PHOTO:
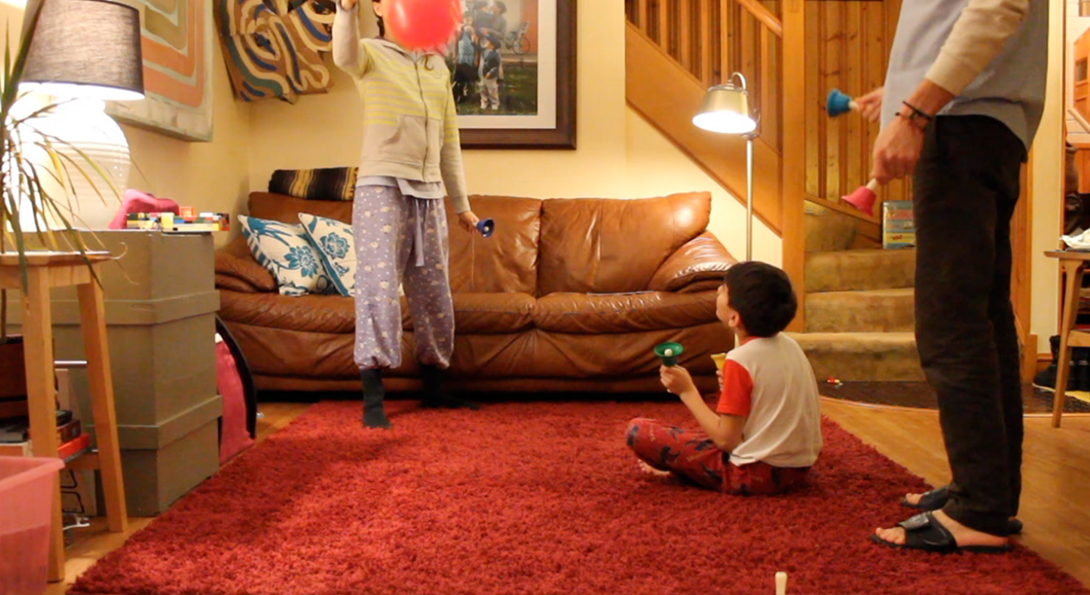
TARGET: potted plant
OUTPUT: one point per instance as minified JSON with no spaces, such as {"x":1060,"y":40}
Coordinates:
{"x":36,"y":173}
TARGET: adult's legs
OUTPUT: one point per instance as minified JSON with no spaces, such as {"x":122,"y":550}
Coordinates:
{"x":966,"y":186}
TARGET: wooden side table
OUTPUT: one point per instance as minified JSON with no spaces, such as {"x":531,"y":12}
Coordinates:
{"x":1073,"y":265}
{"x":46,"y":270}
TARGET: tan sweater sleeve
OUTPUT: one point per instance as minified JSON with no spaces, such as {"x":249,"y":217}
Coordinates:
{"x":977,"y":38}
{"x":348,"y":52}
{"x":450,"y":162}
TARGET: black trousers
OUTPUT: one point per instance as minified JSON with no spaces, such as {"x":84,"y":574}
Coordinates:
{"x":965,"y":188}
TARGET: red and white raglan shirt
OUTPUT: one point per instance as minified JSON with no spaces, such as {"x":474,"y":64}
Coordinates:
{"x":769,"y":381}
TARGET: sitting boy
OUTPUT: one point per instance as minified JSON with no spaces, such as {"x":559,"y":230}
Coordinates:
{"x":765,"y":431}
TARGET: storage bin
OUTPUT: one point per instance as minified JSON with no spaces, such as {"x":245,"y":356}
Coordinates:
{"x":26,"y":510}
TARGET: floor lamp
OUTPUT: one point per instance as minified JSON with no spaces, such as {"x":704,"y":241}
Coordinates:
{"x":726,"y":111}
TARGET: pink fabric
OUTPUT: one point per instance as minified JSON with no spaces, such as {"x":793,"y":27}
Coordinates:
{"x":233,"y":435}
{"x":136,"y":201}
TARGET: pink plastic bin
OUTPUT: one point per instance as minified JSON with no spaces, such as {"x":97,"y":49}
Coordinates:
{"x":26,"y":506}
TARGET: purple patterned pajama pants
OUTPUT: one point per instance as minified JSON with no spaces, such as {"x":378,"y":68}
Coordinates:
{"x":401,"y":240}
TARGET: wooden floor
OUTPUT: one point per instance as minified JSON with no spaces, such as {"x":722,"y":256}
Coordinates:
{"x":1056,"y":473}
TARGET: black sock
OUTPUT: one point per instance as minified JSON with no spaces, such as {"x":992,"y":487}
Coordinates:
{"x":374,"y":394}
{"x":435,"y":393}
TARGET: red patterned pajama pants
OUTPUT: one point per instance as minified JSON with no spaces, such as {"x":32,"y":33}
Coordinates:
{"x":693,"y":456}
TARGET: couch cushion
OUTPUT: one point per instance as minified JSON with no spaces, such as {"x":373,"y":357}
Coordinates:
{"x":314,"y":313}
{"x":285,"y":250}
{"x":493,"y":313}
{"x":504,"y":262}
{"x":589,"y":314}
{"x":613,"y":245}
{"x":336,"y":247}
{"x":474,"y":313}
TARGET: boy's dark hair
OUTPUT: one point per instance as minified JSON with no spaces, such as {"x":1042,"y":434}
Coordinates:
{"x":761,"y":294}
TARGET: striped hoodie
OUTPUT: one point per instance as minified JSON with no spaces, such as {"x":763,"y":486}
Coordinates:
{"x":410,"y":126}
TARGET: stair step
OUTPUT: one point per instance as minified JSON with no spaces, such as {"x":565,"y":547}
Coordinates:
{"x":870,"y":311}
{"x":862,"y":356}
{"x":848,"y":270}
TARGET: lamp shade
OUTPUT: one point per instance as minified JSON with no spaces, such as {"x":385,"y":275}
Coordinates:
{"x":726,"y":110}
{"x":85,"y":48}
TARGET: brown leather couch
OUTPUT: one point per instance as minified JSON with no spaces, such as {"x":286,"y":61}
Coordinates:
{"x":567,"y":295}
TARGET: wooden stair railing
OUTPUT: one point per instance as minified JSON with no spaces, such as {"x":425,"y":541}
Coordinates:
{"x":676,"y":49}
{"x":670,"y":100}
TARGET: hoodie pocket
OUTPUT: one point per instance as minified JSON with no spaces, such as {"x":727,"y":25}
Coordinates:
{"x":407,"y":142}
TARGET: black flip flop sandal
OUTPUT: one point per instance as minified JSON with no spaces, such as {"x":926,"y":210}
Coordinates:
{"x":923,"y":532}
{"x":933,"y":500}
{"x":937,"y":498}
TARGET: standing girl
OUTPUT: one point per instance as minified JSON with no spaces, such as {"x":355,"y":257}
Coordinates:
{"x":411,"y":150}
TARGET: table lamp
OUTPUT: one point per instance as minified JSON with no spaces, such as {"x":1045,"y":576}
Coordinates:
{"x":85,"y":52}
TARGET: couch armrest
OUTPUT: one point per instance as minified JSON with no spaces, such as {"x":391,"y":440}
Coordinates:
{"x":237,"y":269}
{"x":697,"y":265}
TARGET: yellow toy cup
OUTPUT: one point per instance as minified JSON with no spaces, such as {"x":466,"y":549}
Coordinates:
{"x":719,"y":359}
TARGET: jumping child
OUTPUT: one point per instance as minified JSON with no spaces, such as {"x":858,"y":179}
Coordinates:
{"x":411,"y":156}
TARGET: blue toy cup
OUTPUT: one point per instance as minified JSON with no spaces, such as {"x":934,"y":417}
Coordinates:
{"x":837,"y":103}
{"x":486,"y":227}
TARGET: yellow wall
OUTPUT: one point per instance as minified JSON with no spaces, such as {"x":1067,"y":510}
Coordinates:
{"x":618,"y":156}
{"x":212,"y":176}
{"x":1047,"y":178}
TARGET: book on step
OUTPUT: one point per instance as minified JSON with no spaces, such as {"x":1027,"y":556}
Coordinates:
{"x":898,"y":224}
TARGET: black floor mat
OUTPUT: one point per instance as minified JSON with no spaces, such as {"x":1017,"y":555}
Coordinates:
{"x":920,"y":395}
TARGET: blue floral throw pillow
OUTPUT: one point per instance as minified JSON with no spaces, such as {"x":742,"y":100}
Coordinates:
{"x":336,"y":247}
{"x":284,"y":250}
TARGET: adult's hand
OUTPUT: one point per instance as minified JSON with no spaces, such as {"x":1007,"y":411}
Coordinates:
{"x":896,"y":151}
{"x":870,"y":105}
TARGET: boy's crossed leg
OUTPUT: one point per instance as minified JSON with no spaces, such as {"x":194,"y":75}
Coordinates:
{"x":691,"y":455}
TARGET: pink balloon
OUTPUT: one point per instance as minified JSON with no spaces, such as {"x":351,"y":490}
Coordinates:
{"x":422,"y":24}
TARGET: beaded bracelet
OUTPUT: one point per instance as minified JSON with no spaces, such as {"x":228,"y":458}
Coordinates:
{"x":916,"y":113}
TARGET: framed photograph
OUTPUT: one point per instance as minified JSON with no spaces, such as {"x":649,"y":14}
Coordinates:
{"x":176,"y":41}
{"x":512,"y":63}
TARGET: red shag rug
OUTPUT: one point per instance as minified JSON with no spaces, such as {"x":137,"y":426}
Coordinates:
{"x":530,"y":498}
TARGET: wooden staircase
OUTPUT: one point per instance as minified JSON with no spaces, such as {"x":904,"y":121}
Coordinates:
{"x":859,"y":315}
{"x":791,"y":53}
{"x":857,"y":320}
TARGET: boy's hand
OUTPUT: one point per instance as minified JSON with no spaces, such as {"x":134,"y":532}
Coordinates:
{"x":468,"y":221}
{"x":676,"y":379}
{"x":719,"y":379}
{"x":870,"y":105}
{"x":348,"y":4}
